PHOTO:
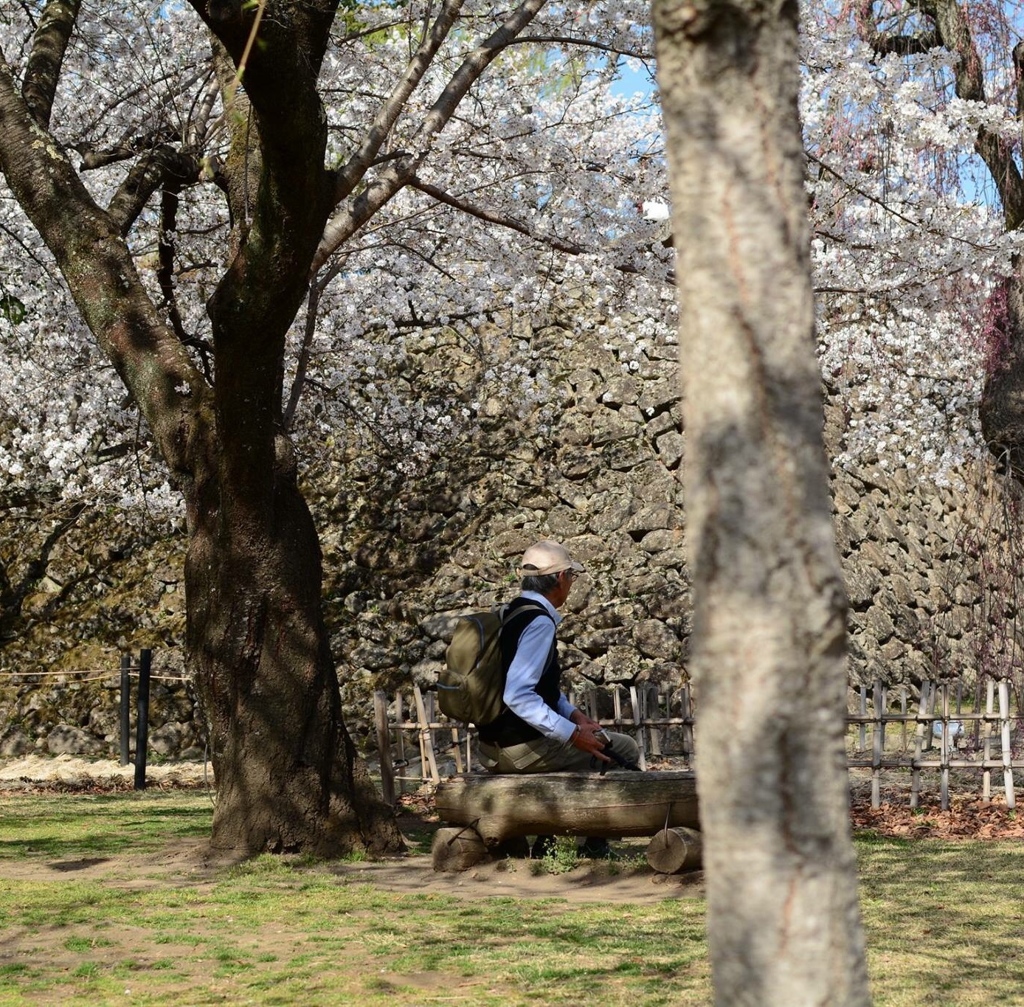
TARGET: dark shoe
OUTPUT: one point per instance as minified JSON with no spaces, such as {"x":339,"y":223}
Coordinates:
{"x":595,"y":849}
{"x":542,"y":845}
{"x":518,"y":848}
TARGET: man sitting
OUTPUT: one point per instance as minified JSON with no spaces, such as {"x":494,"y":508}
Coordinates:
{"x":540,"y":731}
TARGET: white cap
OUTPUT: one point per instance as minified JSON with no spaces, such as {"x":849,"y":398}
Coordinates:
{"x":547,"y":557}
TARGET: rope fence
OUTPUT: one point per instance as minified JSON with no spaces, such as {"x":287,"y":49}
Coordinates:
{"x":939,"y":733}
{"x":141,"y":670}
{"x":61,"y":677}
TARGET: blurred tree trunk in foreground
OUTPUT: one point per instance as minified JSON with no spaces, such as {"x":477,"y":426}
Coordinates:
{"x":769,"y":619}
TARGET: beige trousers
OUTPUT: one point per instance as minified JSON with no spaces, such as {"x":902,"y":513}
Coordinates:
{"x":545,"y":755}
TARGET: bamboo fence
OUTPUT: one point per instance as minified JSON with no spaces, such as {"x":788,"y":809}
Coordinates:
{"x":414,"y":739}
{"x":926,"y":731}
{"x":942,"y":735}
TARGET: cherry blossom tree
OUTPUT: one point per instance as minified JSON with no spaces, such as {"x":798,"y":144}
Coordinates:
{"x":768,"y":642}
{"x":912,"y":134}
{"x":910,"y":125}
{"x":219,"y":187}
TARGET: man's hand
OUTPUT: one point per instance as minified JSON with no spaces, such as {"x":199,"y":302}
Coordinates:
{"x":586,"y":739}
{"x":580,"y":719}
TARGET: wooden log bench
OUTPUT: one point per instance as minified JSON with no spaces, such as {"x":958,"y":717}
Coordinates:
{"x":483,"y":811}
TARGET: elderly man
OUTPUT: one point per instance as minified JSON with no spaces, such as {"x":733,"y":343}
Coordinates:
{"x":540,"y":731}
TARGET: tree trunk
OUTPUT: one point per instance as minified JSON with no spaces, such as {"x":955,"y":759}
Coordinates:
{"x":1002,"y":399}
{"x":568,"y":804}
{"x":288,"y":776}
{"x":287,"y":773}
{"x":768,"y":636}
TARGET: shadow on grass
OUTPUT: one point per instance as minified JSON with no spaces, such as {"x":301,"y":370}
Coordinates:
{"x":944,"y":921}
{"x":74,"y":828}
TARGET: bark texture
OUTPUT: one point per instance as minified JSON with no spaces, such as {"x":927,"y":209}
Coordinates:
{"x":768,"y":643}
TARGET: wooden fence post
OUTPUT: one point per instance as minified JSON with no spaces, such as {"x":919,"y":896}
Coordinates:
{"x":651,"y":695}
{"x":687,"y":726}
{"x":638,"y":719}
{"x":142,"y":722}
{"x":387,"y":771}
{"x":426,"y":740}
{"x":399,"y":719}
{"x":947,"y":743}
{"x":986,"y":751}
{"x":1004,"y":716}
{"x":863,"y":712}
{"x":919,"y":742}
{"x":617,"y":703}
{"x":457,"y":750}
{"x":125,"y":712}
{"x":877,"y":742}
{"x":903,"y":714}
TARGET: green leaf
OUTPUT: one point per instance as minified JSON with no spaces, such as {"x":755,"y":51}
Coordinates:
{"x":12,"y":309}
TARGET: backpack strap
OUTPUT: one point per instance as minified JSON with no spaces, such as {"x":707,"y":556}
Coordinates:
{"x":507,"y":618}
{"x":527,"y":606}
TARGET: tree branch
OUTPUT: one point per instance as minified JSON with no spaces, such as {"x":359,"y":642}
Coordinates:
{"x":169,"y":200}
{"x":101,"y":276}
{"x":583,"y":43}
{"x":162,"y":166}
{"x":316,"y":289}
{"x":291,"y":196}
{"x":241,"y":171}
{"x":887,"y":208}
{"x":383,"y":188}
{"x":49,"y":44}
{"x":389,"y":112}
{"x":12,"y":596}
{"x":886,"y":43}
{"x":492,"y":217}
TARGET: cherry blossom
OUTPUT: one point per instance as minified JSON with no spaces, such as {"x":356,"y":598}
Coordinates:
{"x":550,"y":177}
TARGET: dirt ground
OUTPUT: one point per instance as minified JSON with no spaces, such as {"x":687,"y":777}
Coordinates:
{"x":627,"y":880}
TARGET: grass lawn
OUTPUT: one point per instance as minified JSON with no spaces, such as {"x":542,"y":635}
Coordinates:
{"x":107,"y":900}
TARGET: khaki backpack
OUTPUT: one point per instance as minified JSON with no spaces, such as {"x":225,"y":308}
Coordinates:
{"x":471,"y":685}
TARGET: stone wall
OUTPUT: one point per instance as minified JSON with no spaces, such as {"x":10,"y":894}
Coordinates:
{"x":933,"y":575}
{"x":929,"y":571}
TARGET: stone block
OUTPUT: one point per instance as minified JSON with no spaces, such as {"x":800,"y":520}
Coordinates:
{"x":65,"y":739}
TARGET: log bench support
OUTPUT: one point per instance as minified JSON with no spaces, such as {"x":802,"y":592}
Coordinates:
{"x":490,"y":811}
{"x":673,"y":851}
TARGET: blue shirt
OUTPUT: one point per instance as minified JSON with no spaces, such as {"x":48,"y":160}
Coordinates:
{"x":524,"y":673}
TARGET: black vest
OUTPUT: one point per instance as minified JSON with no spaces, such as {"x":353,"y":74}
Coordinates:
{"x":509,"y":728}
